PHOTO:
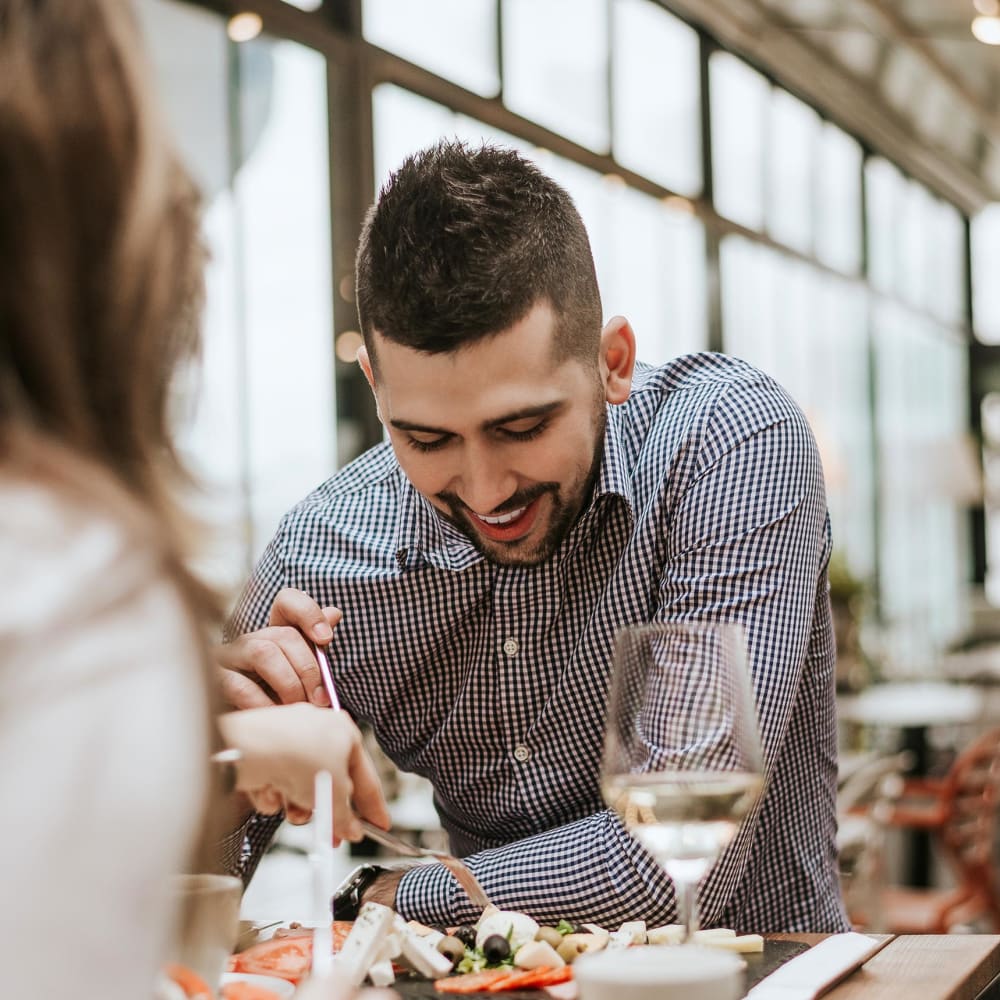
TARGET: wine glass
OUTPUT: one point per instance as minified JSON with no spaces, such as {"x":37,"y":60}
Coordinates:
{"x":682,"y":759}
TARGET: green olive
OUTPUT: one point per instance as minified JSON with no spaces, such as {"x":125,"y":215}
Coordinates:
{"x":451,"y":948}
{"x":550,"y":936}
{"x":568,"y":950}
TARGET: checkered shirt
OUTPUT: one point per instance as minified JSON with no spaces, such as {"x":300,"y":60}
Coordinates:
{"x":492,"y":681}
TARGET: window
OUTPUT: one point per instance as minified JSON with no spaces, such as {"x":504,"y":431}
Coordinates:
{"x":789,"y":156}
{"x":555,"y":66}
{"x":739,"y":115}
{"x":657,"y":119}
{"x":838,"y":200}
{"x":985,"y":268}
{"x":268,"y":353}
{"x":456,"y":39}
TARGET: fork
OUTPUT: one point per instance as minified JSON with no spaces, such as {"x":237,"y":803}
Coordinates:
{"x":458,"y":868}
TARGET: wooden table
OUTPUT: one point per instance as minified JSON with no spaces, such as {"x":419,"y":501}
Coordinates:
{"x":923,"y":967}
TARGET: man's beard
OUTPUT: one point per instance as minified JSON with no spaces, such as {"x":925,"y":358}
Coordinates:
{"x":565,"y":511}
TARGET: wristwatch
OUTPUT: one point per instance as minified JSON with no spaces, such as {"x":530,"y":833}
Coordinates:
{"x":348,"y":898}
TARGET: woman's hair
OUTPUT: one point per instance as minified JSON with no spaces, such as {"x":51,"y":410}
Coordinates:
{"x":100,"y":250}
{"x":100,"y":271}
{"x":100,"y":283}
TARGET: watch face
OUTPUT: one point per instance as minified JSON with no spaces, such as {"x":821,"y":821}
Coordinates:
{"x":347,"y":899}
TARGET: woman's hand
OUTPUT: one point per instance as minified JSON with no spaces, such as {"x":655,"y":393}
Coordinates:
{"x":282,"y":748}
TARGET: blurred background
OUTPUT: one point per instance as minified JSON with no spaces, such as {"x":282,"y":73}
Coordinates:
{"x":811,"y":185}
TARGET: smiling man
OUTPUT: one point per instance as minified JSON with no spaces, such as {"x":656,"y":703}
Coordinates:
{"x":510,"y":452}
{"x":539,"y":490}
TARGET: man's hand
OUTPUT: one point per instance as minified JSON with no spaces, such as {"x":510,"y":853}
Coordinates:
{"x":276,"y":665}
{"x":383,"y":889}
{"x":283,"y":747}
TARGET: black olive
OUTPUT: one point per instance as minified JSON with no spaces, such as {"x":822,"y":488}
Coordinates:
{"x":496,"y":948}
{"x":466,"y":934}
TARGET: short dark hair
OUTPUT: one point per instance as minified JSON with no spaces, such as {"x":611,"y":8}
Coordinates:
{"x":462,"y":243}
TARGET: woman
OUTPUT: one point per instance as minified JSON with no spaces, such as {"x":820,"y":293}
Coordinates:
{"x":106,"y":722}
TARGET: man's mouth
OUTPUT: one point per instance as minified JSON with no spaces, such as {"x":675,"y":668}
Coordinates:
{"x":507,"y":527}
{"x":503,"y":518}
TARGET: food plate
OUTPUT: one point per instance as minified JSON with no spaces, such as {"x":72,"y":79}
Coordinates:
{"x":759,"y":965}
{"x":279,"y":987}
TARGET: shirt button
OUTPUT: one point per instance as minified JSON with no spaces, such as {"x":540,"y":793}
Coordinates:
{"x":511,"y":647}
{"x":522,"y":753}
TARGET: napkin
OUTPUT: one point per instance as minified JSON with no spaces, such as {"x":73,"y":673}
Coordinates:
{"x":812,"y":973}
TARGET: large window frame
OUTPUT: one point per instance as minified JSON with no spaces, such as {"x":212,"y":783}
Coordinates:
{"x":357,"y":67}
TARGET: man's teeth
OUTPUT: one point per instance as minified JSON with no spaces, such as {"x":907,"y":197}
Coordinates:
{"x":503,"y":518}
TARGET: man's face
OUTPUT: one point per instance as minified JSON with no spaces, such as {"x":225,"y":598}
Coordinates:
{"x":504,"y":440}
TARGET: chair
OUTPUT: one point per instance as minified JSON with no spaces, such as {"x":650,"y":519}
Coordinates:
{"x":960,"y":812}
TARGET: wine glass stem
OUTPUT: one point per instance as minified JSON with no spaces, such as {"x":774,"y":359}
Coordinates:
{"x":687,"y":898}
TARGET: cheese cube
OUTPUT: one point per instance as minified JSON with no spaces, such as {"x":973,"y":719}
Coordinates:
{"x":361,"y":946}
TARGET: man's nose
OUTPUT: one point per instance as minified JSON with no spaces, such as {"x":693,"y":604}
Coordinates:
{"x":485,"y":482}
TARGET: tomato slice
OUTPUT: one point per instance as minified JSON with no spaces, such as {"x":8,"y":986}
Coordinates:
{"x":472,"y":982}
{"x":247,"y":991}
{"x":194,"y":987}
{"x":288,"y":956}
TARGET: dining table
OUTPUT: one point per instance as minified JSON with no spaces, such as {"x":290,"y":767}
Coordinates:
{"x":921,"y":967}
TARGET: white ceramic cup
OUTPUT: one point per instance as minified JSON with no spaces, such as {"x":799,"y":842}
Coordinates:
{"x":207,"y":919}
{"x":685,"y":972}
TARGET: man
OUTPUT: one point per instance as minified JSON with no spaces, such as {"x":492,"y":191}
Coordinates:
{"x":538,"y":492}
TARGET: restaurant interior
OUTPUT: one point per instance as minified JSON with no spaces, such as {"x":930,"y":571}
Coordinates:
{"x":810,"y":185}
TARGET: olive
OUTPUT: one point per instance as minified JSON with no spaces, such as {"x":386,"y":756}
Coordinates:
{"x":550,"y":936}
{"x":466,"y":934}
{"x":496,"y":948}
{"x":451,"y":948}
{"x":570,"y":949}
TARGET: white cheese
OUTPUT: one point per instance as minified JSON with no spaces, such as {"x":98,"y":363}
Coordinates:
{"x":390,"y":948}
{"x":535,"y":954}
{"x":709,"y":934}
{"x":381,"y":974}
{"x":420,"y":953}
{"x":361,"y":946}
{"x":631,"y":932}
{"x":667,"y":934}
{"x":518,"y":928}
{"x":744,"y":944}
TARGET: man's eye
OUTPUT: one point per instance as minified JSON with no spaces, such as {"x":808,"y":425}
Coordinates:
{"x":524,"y":435}
{"x":432,"y":445}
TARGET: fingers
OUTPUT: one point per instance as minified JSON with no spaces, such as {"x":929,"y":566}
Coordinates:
{"x":297,"y":815}
{"x":267,"y":800}
{"x":369,"y":802}
{"x":297,"y":608}
{"x":240,"y":691}
{"x":278,"y":657}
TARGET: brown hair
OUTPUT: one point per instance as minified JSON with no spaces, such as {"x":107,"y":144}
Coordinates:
{"x":100,"y":272}
{"x":463,"y":242}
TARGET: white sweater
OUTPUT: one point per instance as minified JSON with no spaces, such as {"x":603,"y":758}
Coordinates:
{"x":102,"y":752}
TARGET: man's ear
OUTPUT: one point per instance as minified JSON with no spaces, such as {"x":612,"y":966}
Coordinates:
{"x":617,"y":359}
{"x":366,"y":367}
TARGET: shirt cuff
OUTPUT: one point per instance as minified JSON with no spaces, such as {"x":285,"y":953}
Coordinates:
{"x":430,"y":894}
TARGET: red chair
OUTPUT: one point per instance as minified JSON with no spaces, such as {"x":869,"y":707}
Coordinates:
{"x":960,"y":812}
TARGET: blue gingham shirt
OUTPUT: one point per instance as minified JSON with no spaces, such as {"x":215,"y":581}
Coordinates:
{"x":492,"y":681}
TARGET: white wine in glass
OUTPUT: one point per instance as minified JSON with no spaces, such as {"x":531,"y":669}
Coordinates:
{"x":682,"y":757}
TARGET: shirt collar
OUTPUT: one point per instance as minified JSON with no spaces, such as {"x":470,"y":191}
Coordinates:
{"x":423,"y":534}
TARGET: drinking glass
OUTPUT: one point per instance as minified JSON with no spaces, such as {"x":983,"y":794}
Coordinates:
{"x":682,"y":758}
{"x":207,"y":908}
